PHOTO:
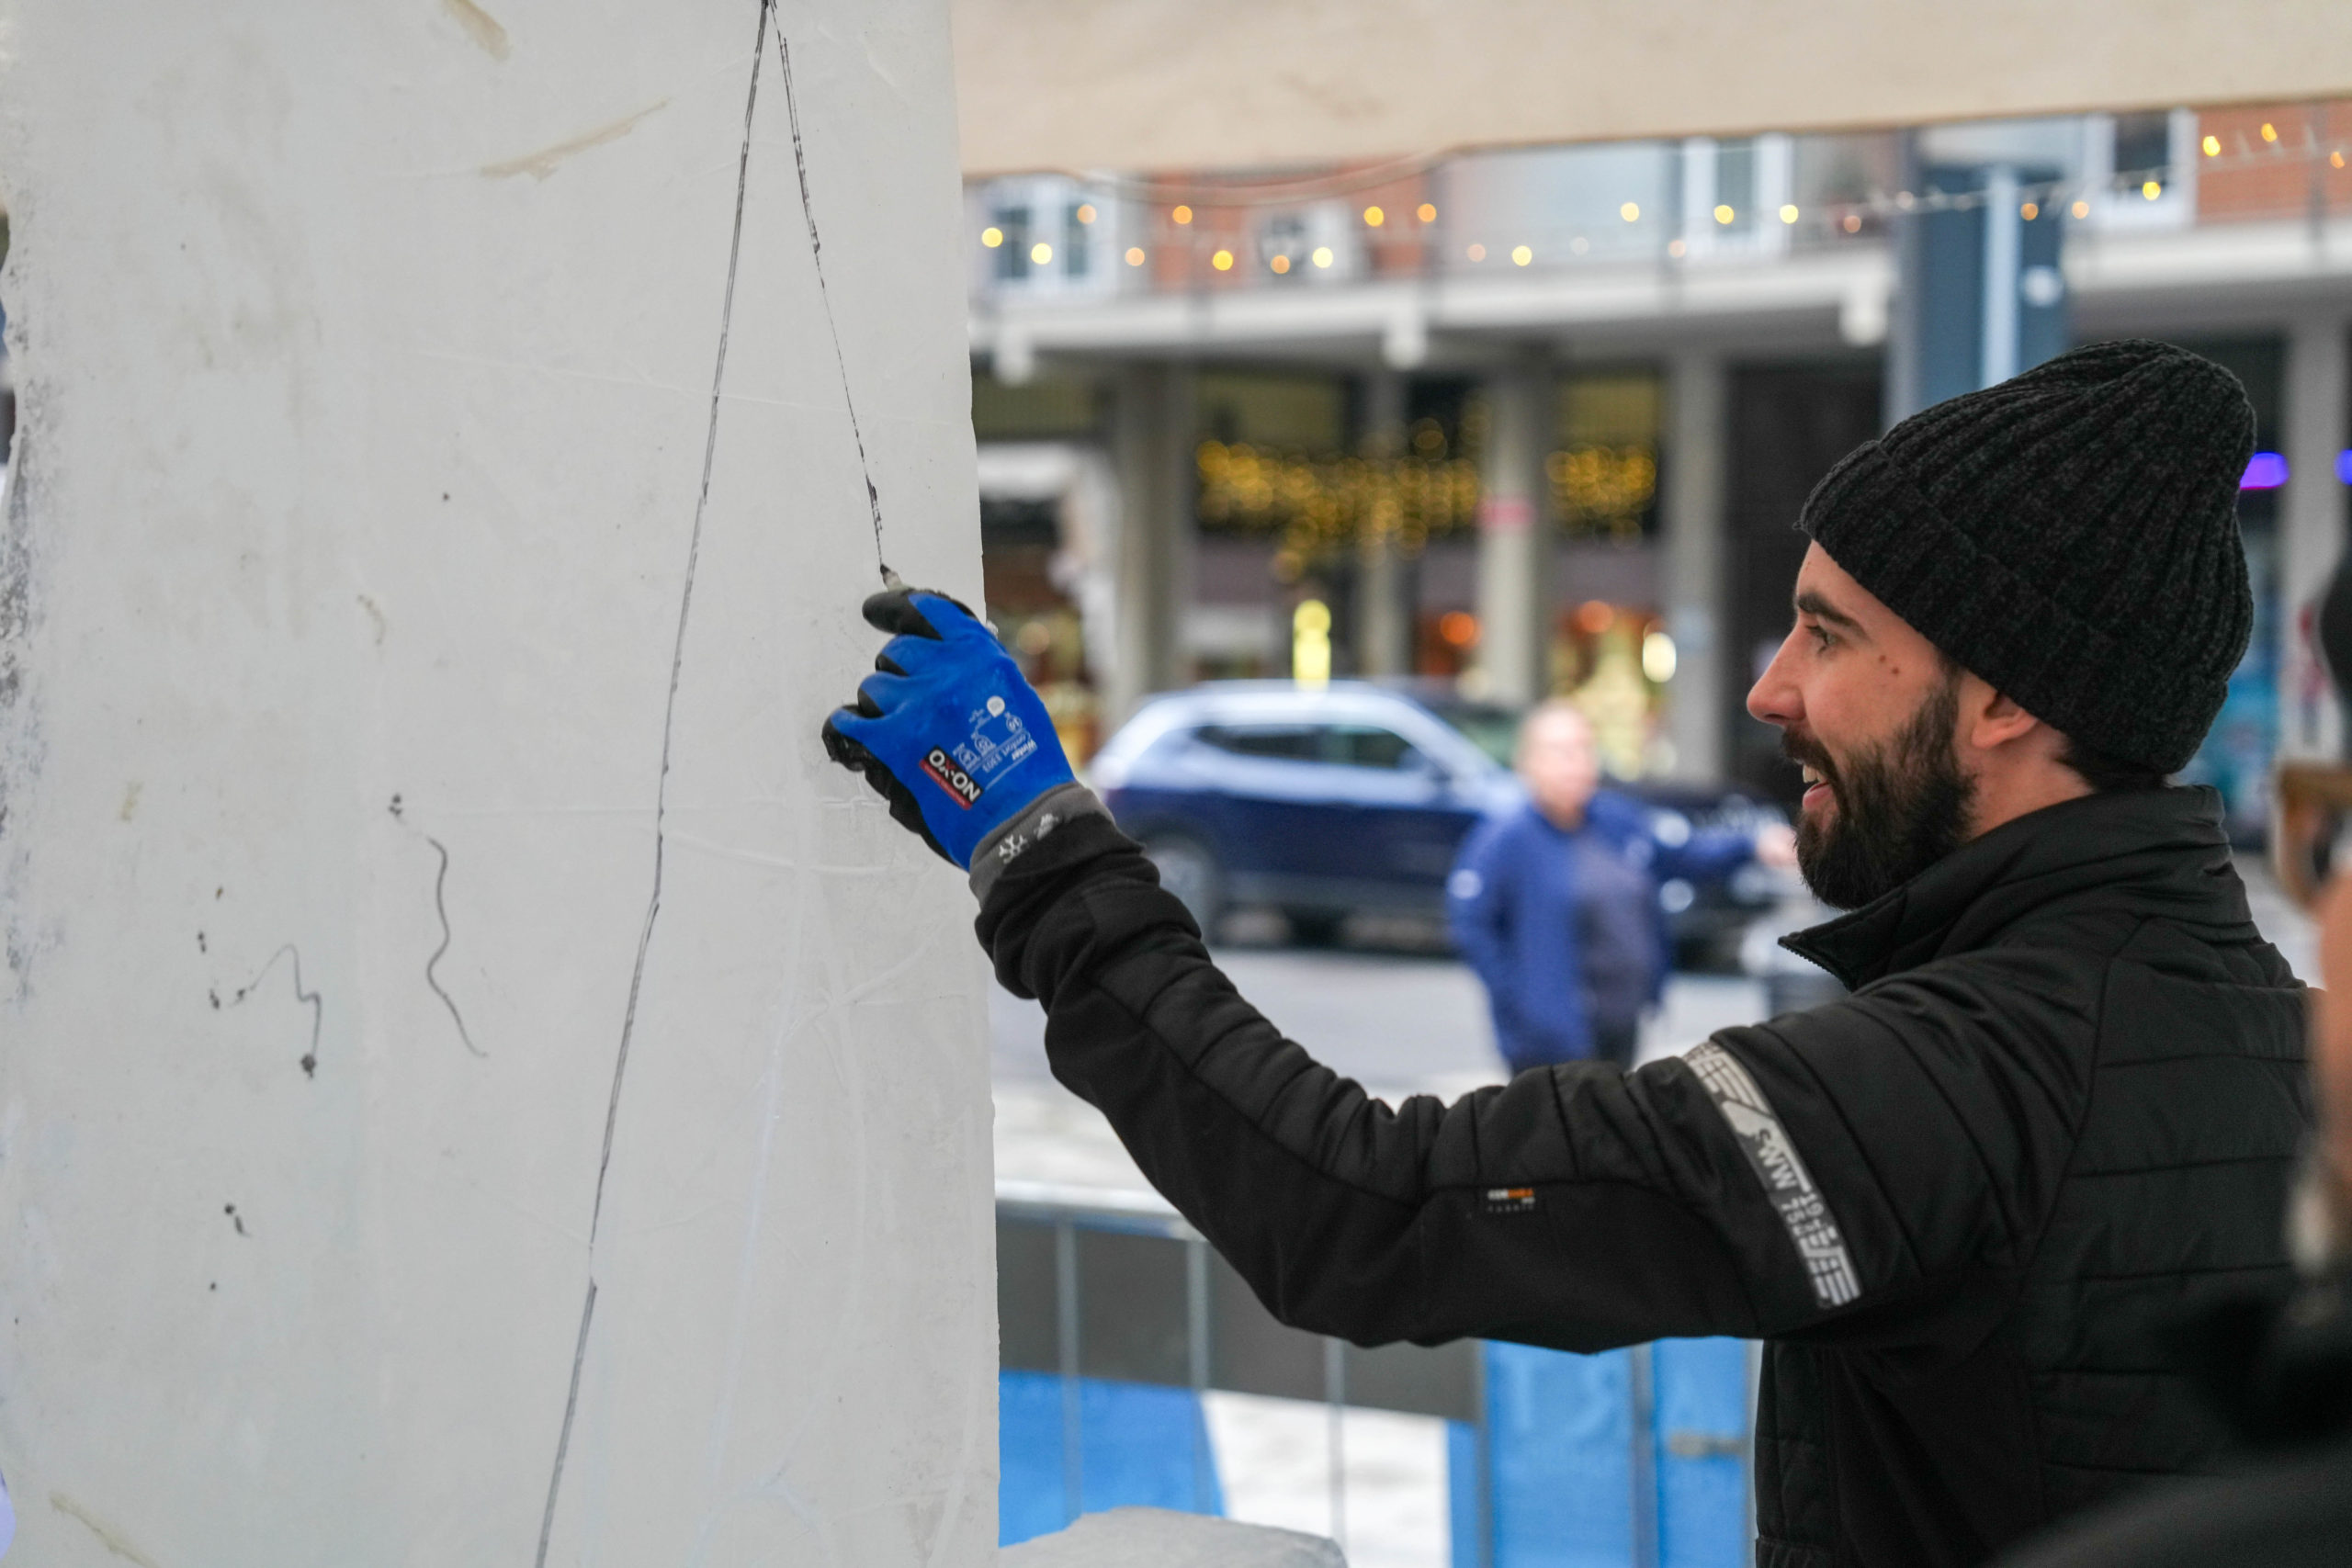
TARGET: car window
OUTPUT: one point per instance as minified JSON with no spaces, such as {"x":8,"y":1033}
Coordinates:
{"x":1287,"y":742}
{"x":1493,"y":731}
{"x":1368,"y":746}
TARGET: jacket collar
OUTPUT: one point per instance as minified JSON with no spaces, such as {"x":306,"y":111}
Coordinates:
{"x":2160,"y":852}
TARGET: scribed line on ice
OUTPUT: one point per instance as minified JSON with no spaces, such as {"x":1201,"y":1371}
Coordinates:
{"x":571,"y":1403}
{"x":817,"y":256}
{"x":662,"y":782}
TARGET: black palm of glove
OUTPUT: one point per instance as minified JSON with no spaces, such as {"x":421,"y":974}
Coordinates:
{"x":947,"y":729}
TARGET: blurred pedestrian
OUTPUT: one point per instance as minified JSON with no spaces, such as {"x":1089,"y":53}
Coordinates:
{"x":1555,"y":904}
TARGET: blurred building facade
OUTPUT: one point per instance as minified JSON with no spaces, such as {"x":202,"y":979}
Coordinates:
{"x":1540,"y":421}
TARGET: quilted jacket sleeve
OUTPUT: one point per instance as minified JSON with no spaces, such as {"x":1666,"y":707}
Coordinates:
{"x":1576,"y":1207}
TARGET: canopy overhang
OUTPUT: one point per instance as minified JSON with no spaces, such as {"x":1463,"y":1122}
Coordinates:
{"x":1174,"y":85}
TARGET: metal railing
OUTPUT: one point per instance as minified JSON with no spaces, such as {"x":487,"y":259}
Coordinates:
{"x":1116,"y":1287}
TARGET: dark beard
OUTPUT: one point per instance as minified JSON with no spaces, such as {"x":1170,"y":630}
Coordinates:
{"x":1901,"y":806}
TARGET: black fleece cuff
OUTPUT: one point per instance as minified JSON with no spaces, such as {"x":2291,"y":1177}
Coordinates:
{"x":1053,"y":810}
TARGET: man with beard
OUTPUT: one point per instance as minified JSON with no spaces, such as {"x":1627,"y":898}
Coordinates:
{"x":1963,"y":1205}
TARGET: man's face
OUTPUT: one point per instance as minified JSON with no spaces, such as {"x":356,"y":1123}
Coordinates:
{"x":1555,"y":758}
{"x":1869,"y":708}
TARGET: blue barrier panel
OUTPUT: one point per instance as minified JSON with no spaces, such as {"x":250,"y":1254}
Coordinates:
{"x":1560,"y":1451}
{"x":1140,"y":1444}
{"x":1029,"y":1493}
{"x":1702,"y":1402}
{"x":1462,"y":1500}
{"x":1560,"y":1448}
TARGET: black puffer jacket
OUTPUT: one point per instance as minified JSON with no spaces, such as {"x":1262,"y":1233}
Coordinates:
{"x":2280,"y":1371}
{"x":1963,"y":1204}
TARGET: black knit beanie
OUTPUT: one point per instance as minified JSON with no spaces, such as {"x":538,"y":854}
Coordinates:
{"x":2070,"y":536}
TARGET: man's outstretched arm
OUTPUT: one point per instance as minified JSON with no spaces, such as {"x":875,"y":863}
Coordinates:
{"x":1574,"y":1207}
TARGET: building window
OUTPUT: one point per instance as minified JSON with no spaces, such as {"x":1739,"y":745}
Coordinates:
{"x":1012,"y":256}
{"x":2143,"y":150}
{"x":1734,"y":186}
{"x":1282,"y":247}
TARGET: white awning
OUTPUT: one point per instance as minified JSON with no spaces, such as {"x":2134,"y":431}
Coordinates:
{"x":1194,"y":85}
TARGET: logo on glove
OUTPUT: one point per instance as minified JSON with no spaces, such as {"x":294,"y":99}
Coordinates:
{"x":950,"y":778}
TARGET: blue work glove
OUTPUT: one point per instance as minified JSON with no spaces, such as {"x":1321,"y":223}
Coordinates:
{"x":947,"y":729}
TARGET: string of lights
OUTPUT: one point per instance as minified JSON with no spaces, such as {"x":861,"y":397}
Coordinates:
{"x":1240,"y":192}
{"x":1184,"y":206}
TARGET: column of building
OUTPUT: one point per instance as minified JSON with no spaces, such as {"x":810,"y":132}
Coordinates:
{"x":1691,"y":510}
{"x":1151,"y":443}
{"x":2311,"y":526}
{"x":1515,"y":537}
{"x":1383,"y":629}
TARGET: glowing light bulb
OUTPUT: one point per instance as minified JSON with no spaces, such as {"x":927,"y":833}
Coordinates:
{"x":1085,"y":213}
{"x":2270,"y":131}
{"x":1322,"y":256}
{"x":1310,"y":643}
{"x":1279,"y":264}
{"x":991,"y":237}
{"x":1426,"y":212}
{"x":1476,"y":253}
{"x":1725,"y":214}
{"x":2151,"y":189}
{"x":1630,"y":212}
{"x":1182,"y":214}
{"x":1657,"y":657}
{"x":1788,"y":213}
{"x":1374,"y":218}
{"x":2081,"y":210}
{"x":1135,"y":255}
{"x":1222,"y":261}
{"x":1852,"y":222}
{"x":2030,"y":211}
{"x":2213,"y":146}
{"x":1520,"y":255}
{"x":1041,"y":252}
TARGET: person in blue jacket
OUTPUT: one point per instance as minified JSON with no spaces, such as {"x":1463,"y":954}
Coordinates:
{"x":1555,"y":904}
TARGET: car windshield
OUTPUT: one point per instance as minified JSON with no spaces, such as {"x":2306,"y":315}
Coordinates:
{"x":1350,"y":745}
{"x":1493,"y":730}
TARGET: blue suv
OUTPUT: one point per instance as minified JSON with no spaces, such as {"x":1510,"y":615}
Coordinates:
{"x":1351,"y":797}
{"x":1321,"y":802}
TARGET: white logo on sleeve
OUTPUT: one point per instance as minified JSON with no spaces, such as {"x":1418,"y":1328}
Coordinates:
{"x":1757,"y":1128}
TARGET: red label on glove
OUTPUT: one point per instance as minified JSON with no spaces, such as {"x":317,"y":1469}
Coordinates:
{"x":950,"y":778}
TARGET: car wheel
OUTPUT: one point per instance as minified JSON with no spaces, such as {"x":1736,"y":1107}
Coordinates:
{"x":1188,"y":868}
